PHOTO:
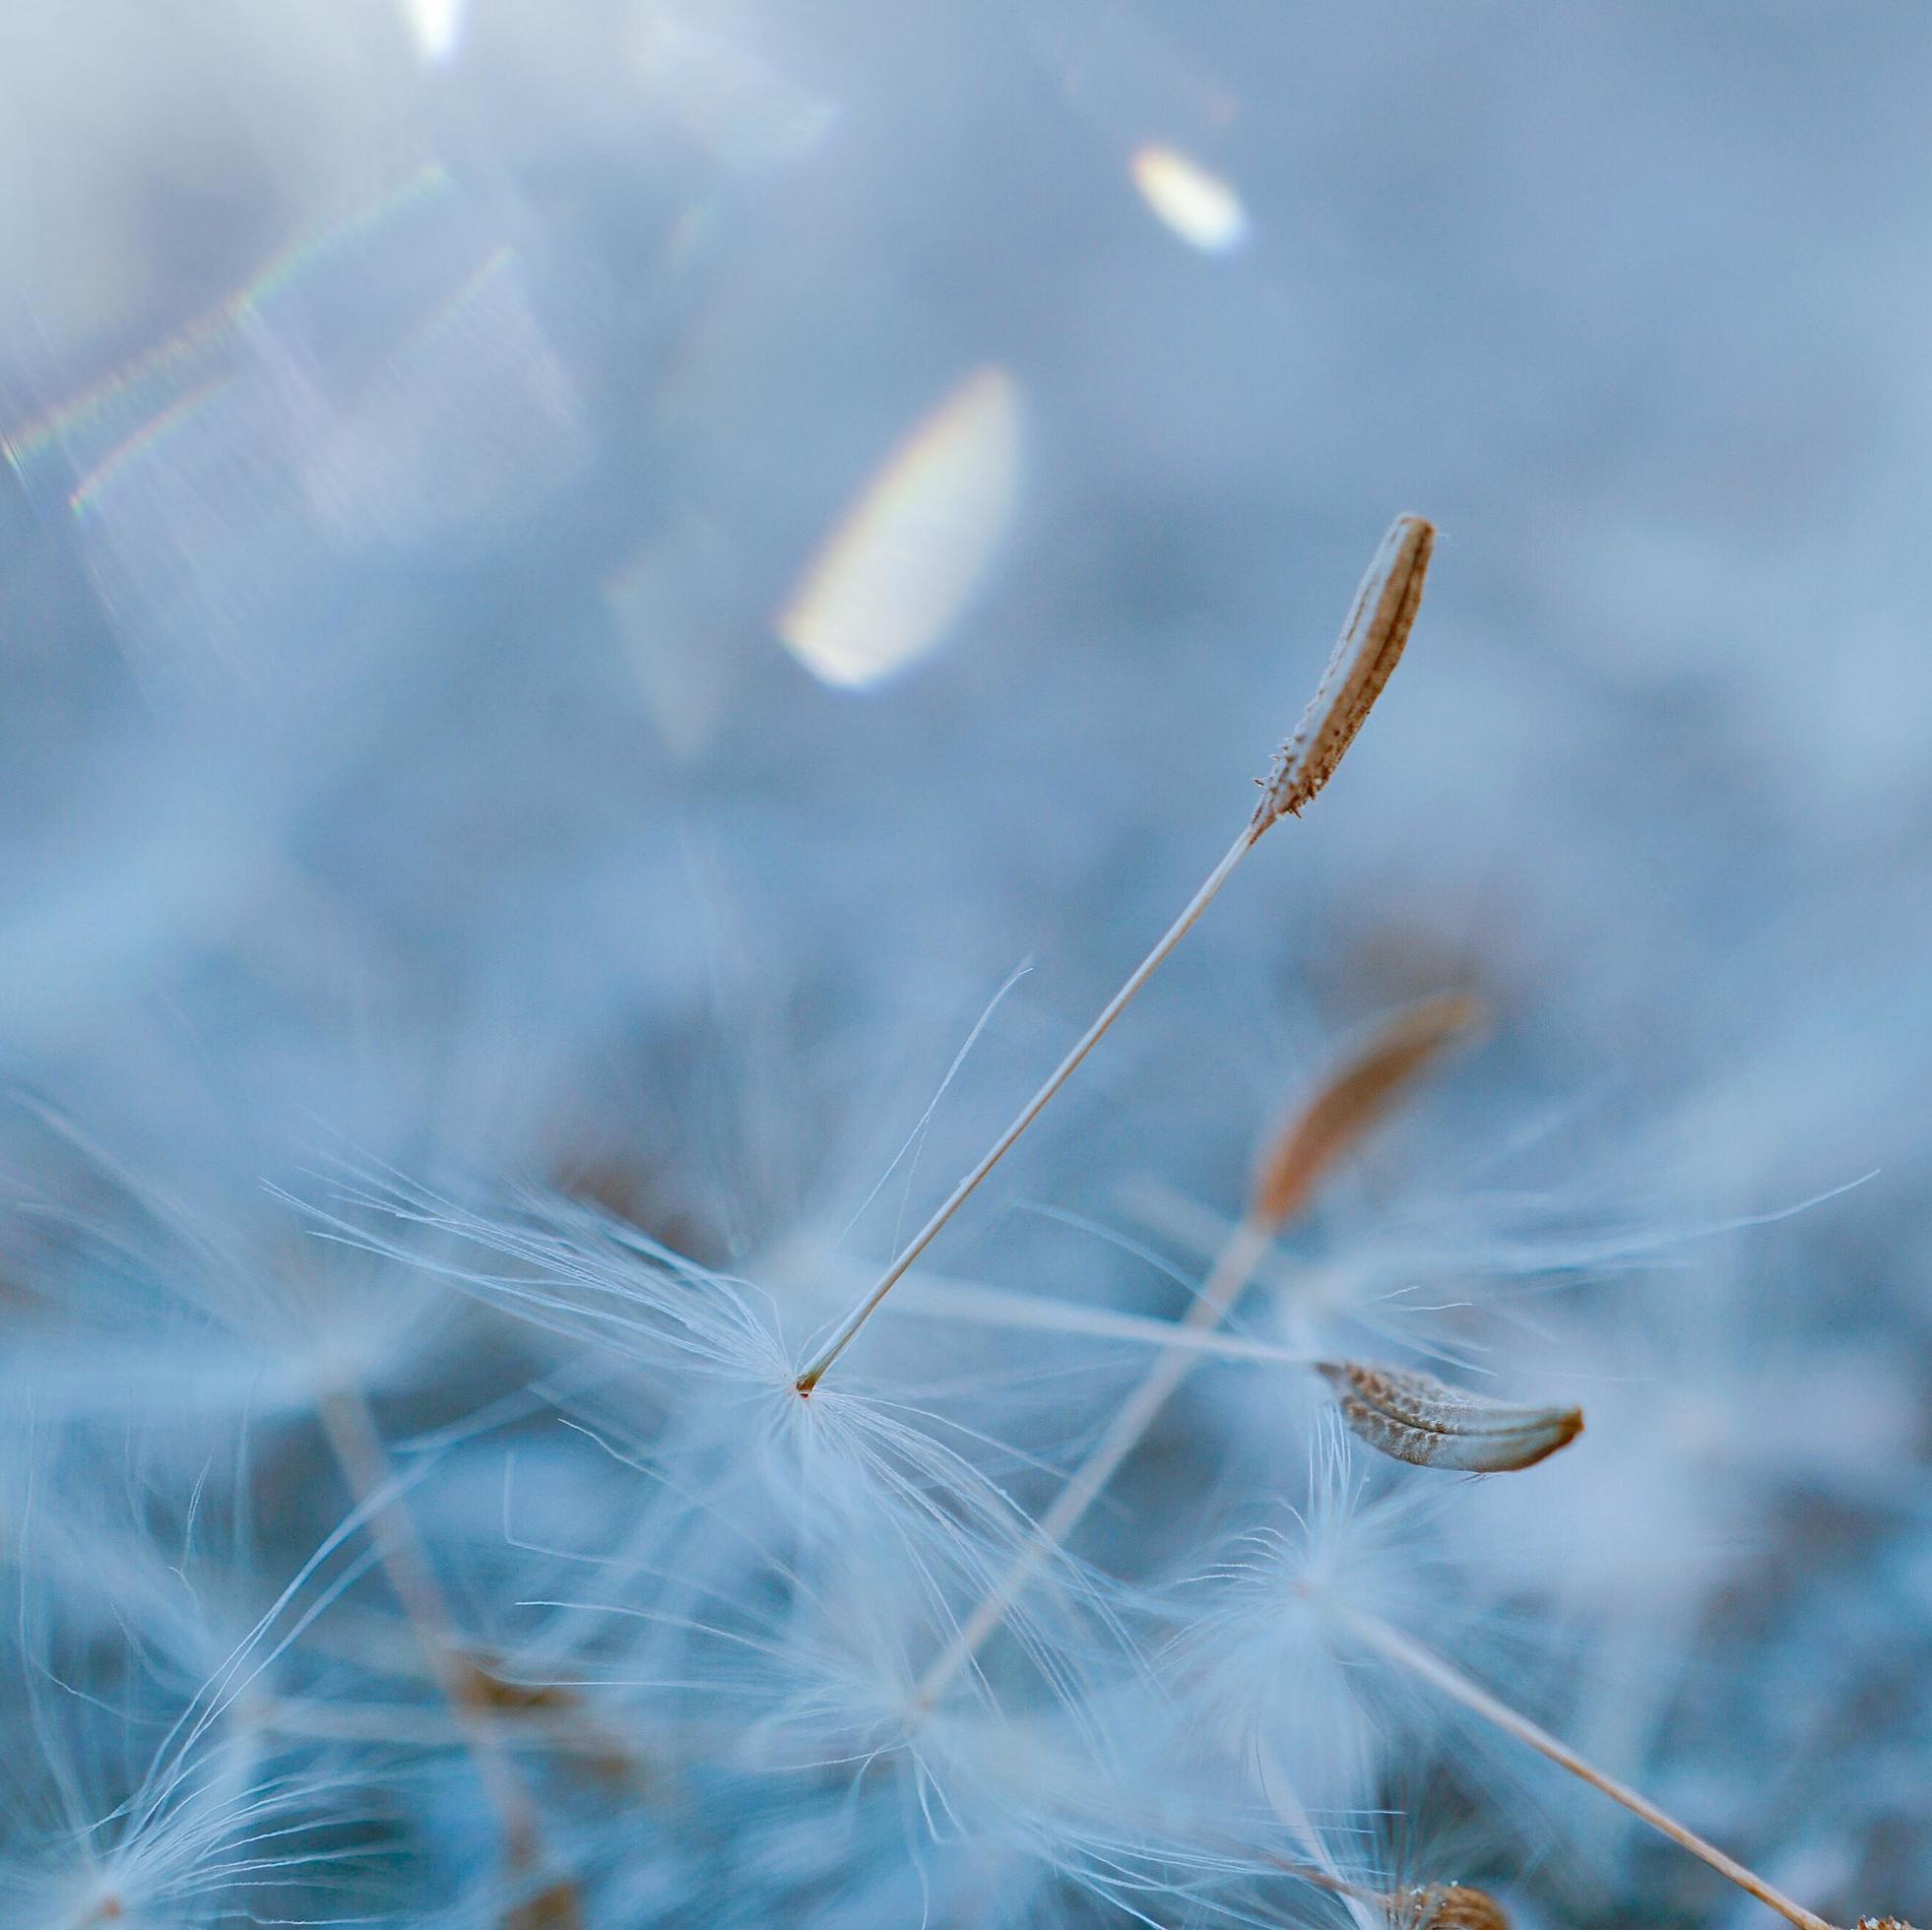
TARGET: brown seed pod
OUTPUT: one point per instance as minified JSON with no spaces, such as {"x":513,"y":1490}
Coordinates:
{"x":554,"y":1907}
{"x":1446,"y":1906}
{"x":1415,"y":1418}
{"x":1354,"y":1097}
{"x":579,"y":1735}
{"x":1365,"y":657}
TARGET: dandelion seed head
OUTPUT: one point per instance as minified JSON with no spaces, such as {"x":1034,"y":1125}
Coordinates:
{"x":1266,"y":1647}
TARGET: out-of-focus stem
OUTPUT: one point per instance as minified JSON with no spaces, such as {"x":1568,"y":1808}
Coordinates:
{"x":356,"y":1442}
{"x":1231,"y":1272}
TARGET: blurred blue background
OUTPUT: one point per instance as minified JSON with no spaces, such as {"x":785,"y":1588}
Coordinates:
{"x":579,"y":582}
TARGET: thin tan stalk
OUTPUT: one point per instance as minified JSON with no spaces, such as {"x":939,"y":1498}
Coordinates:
{"x":1428,"y":1666}
{"x":810,"y":1376}
{"x":1371,"y":644}
{"x":356,"y":1444}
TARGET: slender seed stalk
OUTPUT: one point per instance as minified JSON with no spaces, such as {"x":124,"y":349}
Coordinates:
{"x":356,"y":1444}
{"x":810,"y":1376}
{"x":1370,"y":646}
{"x":1429,"y":1667}
{"x":996,"y":1307}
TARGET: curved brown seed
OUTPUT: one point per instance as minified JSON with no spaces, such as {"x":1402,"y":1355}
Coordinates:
{"x":1416,"y":1418}
{"x":1353,"y":1098}
{"x":1364,"y":655}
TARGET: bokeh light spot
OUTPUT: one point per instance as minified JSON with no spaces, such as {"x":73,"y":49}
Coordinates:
{"x":916,"y":542}
{"x":1199,"y":207}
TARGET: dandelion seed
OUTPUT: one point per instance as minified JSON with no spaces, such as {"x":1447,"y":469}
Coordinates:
{"x":1385,"y":605}
{"x":1416,"y":1418}
{"x":151,"y":1795}
{"x":841,"y":1471}
{"x":1265,"y":1671}
{"x":324,"y":1336}
{"x":1294,"y":1623}
{"x":1342,"y":1110}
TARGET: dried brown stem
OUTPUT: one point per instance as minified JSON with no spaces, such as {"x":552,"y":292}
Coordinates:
{"x":356,"y":1442}
{"x":1429,"y":1667}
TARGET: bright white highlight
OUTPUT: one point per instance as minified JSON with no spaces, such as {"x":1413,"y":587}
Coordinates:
{"x":910,"y":551}
{"x":1199,"y":207}
{"x":436,"y":27}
